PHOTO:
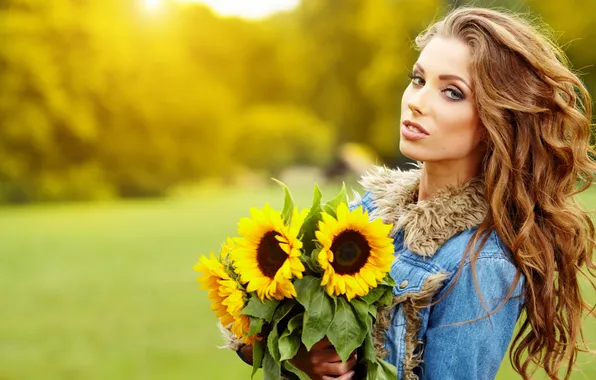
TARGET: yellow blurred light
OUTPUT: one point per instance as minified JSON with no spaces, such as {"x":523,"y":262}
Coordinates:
{"x":251,"y":9}
{"x":153,"y":5}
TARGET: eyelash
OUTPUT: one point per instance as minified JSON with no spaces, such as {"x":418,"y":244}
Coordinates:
{"x":459,"y":95}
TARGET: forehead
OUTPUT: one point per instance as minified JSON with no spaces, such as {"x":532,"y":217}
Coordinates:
{"x":447,"y":56}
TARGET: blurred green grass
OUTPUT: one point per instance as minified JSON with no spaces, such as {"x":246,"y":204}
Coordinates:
{"x":107,"y":291}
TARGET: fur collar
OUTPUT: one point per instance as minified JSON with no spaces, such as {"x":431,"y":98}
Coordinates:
{"x":429,"y":223}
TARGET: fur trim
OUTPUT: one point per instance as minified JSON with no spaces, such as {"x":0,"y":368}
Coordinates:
{"x":412,"y":303}
{"x":426,"y":224}
{"x":231,"y":340}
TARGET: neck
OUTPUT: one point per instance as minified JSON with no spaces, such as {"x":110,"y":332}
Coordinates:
{"x":437,"y":176}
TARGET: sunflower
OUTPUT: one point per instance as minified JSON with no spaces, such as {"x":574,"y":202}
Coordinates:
{"x":267,"y":256}
{"x":225,"y":293}
{"x":355,"y":253}
{"x":241,"y":328}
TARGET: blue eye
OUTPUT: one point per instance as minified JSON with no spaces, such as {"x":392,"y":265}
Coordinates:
{"x":416,"y":79}
{"x":454,"y":94}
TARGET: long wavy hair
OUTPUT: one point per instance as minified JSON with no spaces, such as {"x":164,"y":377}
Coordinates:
{"x":536,"y":114}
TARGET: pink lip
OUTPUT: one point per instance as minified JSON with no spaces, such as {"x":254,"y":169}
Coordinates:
{"x":411,"y":135}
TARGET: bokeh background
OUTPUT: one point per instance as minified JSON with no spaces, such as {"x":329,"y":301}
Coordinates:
{"x":135,"y":133}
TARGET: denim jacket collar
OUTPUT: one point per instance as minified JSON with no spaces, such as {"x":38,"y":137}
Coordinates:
{"x":429,"y":223}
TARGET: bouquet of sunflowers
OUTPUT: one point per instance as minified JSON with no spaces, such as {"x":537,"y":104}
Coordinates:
{"x":293,"y":278}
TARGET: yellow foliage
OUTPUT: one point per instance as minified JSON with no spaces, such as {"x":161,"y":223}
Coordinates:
{"x":146,"y":100}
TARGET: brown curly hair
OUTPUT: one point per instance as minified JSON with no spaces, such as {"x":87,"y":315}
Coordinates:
{"x":536,"y":113}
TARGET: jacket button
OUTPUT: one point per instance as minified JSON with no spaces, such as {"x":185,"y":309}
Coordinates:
{"x":403,"y":284}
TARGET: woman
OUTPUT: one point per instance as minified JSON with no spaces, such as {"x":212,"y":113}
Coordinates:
{"x":487,"y":229}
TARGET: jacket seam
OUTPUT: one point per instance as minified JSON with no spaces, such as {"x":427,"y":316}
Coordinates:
{"x":467,"y":263}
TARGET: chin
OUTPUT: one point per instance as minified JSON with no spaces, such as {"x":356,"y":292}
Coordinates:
{"x":412,"y":152}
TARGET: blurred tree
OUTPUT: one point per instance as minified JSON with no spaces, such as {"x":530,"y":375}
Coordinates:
{"x":272,"y":137}
{"x":167,"y":121}
{"x":48,"y":128}
{"x":100,"y":101}
{"x":573,"y":24}
{"x":334,"y":54}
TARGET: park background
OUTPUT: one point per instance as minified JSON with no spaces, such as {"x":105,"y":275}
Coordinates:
{"x":135,"y":133}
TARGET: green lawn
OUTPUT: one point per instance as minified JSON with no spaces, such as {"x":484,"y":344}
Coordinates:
{"x":106,"y":291}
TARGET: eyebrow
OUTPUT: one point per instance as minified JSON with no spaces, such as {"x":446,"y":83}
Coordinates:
{"x":445,"y":76}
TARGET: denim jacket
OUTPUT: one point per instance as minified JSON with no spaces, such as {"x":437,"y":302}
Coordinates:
{"x":452,"y":338}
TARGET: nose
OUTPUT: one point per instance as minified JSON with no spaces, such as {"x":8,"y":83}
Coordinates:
{"x":417,"y":102}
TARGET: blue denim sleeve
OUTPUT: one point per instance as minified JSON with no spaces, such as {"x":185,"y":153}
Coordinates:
{"x":365,"y":201}
{"x":458,"y":346}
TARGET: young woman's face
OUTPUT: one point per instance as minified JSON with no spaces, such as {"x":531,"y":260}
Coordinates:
{"x":439,"y":118}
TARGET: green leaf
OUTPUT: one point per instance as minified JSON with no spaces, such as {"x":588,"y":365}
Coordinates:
{"x":288,"y":209}
{"x":316,"y":200}
{"x":306,"y":287}
{"x":372,"y":369}
{"x":386,"y":371}
{"x":331,"y":206}
{"x":273,"y":337}
{"x":271,"y":368}
{"x":294,"y":324}
{"x":256,"y":325}
{"x":283,"y":310}
{"x":273,"y":343}
{"x":388,"y":281}
{"x":373,"y":295}
{"x":387,"y":298}
{"x":364,"y":318}
{"x":257,"y":357}
{"x":256,"y":308}
{"x":370,"y":354}
{"x":311,"y":264}
{"x":314,"y":262}
{"x":289,"y":345}
{"x":291,"y":368}
{"x":372,"y":310}
{"x":319,"y":309}
{"x":309,"y":226}
{"x":289,"y":341}
{"x":345,"y":332}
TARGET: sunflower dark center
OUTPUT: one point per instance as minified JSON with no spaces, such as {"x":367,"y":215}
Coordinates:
{"x":351,"y":251}
{"x":270,"y":256}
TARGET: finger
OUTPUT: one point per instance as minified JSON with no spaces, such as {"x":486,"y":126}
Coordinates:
{"x":328,"y":356}
{"x":331,"y":356}
{"x":351,"y":362}
{"x":336,"y":358}
{"x":346,"y":376}
{"x":337,"y":368}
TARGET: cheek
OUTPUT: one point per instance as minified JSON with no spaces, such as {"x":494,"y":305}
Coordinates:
{"x":462,"y":127}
